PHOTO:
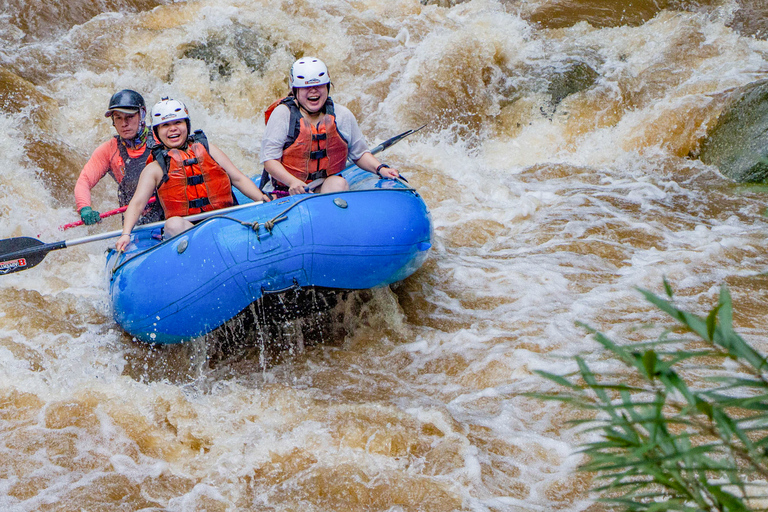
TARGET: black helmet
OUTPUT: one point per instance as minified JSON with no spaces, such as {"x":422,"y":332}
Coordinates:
{"x":127,"y":101}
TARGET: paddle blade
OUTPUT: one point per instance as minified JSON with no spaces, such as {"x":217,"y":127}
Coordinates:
{"x":10,"y":263}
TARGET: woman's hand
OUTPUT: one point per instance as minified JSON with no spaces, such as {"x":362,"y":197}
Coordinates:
{"x":297,"y":187}
{"x":122,"y":242}
{"x":388,"y":172}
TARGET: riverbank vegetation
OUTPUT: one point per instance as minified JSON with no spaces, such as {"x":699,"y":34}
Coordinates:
{"x":684,"y":424}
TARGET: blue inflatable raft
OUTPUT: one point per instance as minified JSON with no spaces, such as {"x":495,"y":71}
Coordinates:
{"x":172,"y":291}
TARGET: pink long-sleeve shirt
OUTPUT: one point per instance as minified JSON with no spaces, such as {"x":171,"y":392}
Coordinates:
{"x":104,"y":159}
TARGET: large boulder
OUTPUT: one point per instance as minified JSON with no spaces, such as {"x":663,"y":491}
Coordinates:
{"x":751,"y":19}
{"x":738,"y":143}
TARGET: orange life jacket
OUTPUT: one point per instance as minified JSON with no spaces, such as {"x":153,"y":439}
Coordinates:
{"x":311,"y":152}
{"x":127,"y":176}
{"x":193,"y":181}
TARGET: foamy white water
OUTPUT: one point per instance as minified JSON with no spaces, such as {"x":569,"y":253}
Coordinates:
{"x":549,"y":208}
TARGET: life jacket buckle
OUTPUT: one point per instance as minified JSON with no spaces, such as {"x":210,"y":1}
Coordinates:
{"x":318,"y":155}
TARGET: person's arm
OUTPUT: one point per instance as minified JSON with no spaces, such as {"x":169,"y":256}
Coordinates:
{"x":281,"y":174}
{"x":370,"y":163}
{"x":238,"y":179}
{"x":272,"y":143}
{"x":95,"y":169}
{"x":148,"y":182}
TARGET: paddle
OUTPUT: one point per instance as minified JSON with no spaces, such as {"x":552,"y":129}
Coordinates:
{"x":378,"y":149}
{"x":394,"y":140}
{"x":22,"y":253}
{"x":102,"y":215}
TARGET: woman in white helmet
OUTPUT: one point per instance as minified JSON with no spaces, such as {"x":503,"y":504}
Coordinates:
{"x":189,"y":174}
{"x":309,"y":138}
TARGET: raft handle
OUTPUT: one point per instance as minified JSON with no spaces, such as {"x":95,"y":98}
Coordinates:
{"x":294,"y":286}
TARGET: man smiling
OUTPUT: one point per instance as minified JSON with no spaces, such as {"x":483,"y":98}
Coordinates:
{"x":123,"y":157}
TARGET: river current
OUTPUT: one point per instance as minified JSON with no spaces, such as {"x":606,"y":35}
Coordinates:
{"x":552,"y":200}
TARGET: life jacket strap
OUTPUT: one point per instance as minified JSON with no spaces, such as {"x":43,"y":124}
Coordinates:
{"x":195,"y":180}
{"x":323,"y":173}
{"x":199,"y":203}
{"x":189,"y":162}
{"x":317,"y":155}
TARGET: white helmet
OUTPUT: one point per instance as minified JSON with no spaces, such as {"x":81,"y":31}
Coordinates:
{"x":308,"y":72}
{"x":167,"y":110}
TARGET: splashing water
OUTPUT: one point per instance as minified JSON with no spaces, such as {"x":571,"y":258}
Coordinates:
{"x":555,"y":163}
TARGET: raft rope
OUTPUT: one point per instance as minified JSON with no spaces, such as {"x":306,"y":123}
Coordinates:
{"x":255,"y":226}
{"x":270,"y":224}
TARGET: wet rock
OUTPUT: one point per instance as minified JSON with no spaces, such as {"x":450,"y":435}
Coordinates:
{"x":738,"y":143}
{"x":569,"y":78}
{"x":751,"y":19}
{"x":555,"y":80}
{"x":222,"y":53}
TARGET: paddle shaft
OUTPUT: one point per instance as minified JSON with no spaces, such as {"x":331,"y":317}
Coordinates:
{"x":394,"y":140}
{"x":102,"y":215}
{"x":46,"y":248}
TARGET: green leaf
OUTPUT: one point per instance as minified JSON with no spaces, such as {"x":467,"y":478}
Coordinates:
{"x":686,"y":435}
{"x":667,"y":288}
{"x":712,"y":323}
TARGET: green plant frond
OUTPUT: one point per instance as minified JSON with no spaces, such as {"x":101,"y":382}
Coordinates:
{"x":695,"y":463}
{"x":570,"y":399}
{"x":745,"y":405}
{"x":558,"y":379}
{"x":728,"y":429}
{"x":678,"y":439}
{"x":738,"y":349}
{"x":621,"y":387}
{"x":725,"y":309}
{"x":648,"y":363}
{"x":658,"y":468}
{"x":738,"y":382}
{"x":674,"y":504}
{"x":693,"y":322}
{"x":683,"y":355}
{"x":667,"y":288}
{"x":673,"y":380}
{"x":762,"y":442}
{"x":712,"y":322}
{"x":623,"y":354}
{"x":704,"y":407}
{"x":731,"y":502}
{"x":591,"y":381}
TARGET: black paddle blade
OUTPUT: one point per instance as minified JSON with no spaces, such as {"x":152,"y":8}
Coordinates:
{"x":16,"y":254}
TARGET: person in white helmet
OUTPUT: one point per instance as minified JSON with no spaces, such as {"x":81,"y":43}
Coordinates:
{"x":308,"y":137}
{"x":189,"y":174}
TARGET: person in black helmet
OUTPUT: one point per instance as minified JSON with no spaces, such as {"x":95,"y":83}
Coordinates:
{"x":123,"y":157}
